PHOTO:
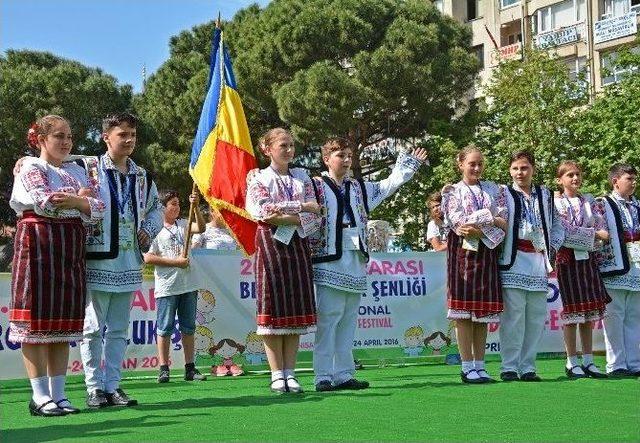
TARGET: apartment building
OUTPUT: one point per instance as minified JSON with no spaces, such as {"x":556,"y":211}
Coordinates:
{"x":585,"y":34}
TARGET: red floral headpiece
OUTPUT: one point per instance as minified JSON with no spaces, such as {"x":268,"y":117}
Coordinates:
{"x":32,"y":136}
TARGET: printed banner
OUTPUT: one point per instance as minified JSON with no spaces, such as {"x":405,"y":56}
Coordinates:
{"x":402,"y":315}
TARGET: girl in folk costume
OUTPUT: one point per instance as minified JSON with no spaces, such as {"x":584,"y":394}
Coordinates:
{"x":52,"y":200}
{"x":620,"y":269}
{"x":534,"y":234}
{"x":581,"y":288}
{"x":476,"y":212}
{"x":282,"y":200}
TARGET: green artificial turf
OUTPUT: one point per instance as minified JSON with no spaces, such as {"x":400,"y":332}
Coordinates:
{"x":410,"y":403}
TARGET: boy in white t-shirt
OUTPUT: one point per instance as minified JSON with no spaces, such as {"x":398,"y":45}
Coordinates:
{"x":175,"y":289}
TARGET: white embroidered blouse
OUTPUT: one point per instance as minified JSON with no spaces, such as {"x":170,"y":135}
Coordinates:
{"x":477,"y":204}
{"x":38,"y":180}
{"x":270,"y":193}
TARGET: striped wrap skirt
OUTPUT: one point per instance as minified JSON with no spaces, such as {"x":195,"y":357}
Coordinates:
{"x":584,"y":296}
{"x":474,"y":290}
{"x":284,"y":285}
{"x":48,"y":289}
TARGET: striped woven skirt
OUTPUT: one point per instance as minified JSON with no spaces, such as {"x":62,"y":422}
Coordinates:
{"x":474,"y":289}
{"x":48,"y":280}
{"x":584,"y":296}
{"x":284,"y":285}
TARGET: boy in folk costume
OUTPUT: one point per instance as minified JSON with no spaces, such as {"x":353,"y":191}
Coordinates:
{"x":534,"y":235}
{"x":114,"y":258}
{"x":620,"y":269}
{"x":339,"y":255}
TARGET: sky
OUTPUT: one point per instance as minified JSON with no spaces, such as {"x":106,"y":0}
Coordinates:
{"x":118,"y":36}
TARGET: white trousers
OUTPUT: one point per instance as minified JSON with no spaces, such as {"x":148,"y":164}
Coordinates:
{"x":521,"y":328}
{"x":110,"y":309}
{"x":622,"y":330}
{"x":337,"y":313}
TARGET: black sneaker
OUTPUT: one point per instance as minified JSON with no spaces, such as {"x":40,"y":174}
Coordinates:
{"x":619,"y":373}
{"x":530,"y":376}
{"x":163,"y":376}
{"x":194,"y":374}
{"x":324,"y":386}
{"x":352,"y":384}
{"x":97,"y":399}
{"x":119,"y":398}
{"x":509,"y":376}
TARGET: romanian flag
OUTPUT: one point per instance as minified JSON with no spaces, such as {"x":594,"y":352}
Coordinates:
{"x":221,"y":155}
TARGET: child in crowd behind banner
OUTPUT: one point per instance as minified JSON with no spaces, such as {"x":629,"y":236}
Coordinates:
{"x":534,"y":235}
{"x":620,"y":269}
{"x":215,"y":236}
{"x":437,"y":231}
{"x":581,"y":288}
{"x":176,"y":291}
{"x":340,"y":253}
{"x":281,"y":199}
{"x":476,"y":212}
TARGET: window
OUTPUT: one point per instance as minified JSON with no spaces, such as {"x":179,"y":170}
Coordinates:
{"x":472,"y":10}
{"x":578,"y":69}
{"x":612,"y":72}
{"x":506,"y":3}
{"x":561,"y":14}
{"x":616,"y":8}
{"x":479,"y":52}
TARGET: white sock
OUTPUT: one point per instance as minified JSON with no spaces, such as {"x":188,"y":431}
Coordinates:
{"x":277,"y":381}
{"x":478,"y":365}
{"x":40,"y":388}
{"x":587,"y":359}
{"x":56,"y":388}
{"x":467,"y":366}
{"x":289,"y":373}
{"x":572,"y":360}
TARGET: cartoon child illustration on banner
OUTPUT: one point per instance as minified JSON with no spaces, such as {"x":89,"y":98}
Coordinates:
{"x":203,"y":342}
{"x":227,"y":349}
{"x":254,"y":352}
{"x":413,"y":340}
{"x":206,"y":305}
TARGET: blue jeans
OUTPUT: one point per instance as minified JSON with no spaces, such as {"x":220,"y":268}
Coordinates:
{"x":185,"y":306}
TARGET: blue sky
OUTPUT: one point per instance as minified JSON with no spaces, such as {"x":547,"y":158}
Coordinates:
{"x":118,"y":36}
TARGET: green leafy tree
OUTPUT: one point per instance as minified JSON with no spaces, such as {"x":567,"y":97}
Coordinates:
{"x":609,"y":131}
{"x":533,"y":106}
{"x":367,"y":71}
{"x":33,"y":84}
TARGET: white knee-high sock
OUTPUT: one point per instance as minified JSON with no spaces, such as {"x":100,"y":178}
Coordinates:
{"x":40,"y":388}
{"x":56,"y":388}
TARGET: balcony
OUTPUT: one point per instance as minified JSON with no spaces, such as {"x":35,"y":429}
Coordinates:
{"x":508,"y":52}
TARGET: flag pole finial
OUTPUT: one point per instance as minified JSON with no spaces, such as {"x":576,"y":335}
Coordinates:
{"x":218,"y":21}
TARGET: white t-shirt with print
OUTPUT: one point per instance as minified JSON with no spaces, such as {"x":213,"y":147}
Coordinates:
{"x":171,"y":280}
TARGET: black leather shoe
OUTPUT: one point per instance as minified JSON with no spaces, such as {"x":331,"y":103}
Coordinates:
{"x":591,"y":373}
{"x":619,"y":373}
{"x":325,"y":386}
{"x":68,"y":409}
{"x":119,"y":398}
{"x":352,"y":384}
{"x":509,"y":376}
{"x":530,"y":376}
{"x":36,"y":410}
{"x":97,"y":399}
{"x":572,"y":374}
{"x":464,"y":376}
